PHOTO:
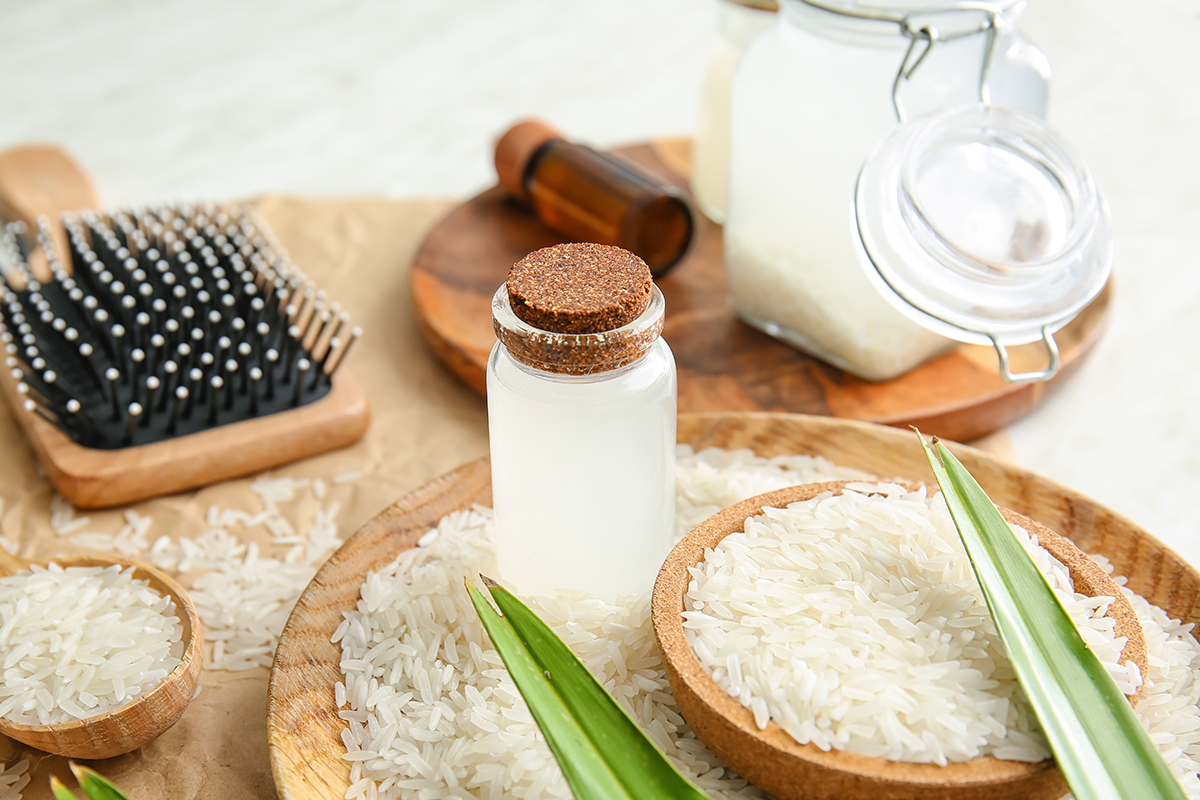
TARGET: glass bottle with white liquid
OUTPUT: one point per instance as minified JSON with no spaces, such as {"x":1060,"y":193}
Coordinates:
{"x":581,"y":418}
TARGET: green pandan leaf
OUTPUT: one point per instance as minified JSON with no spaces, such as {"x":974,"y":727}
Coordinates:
{"x":1099,"y":745}
{"x":603,"y":753}
{"x":95,"y":785}
{"x":61,"y":792}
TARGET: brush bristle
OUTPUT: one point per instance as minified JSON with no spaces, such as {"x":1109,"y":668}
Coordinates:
{"x":162,"y":322}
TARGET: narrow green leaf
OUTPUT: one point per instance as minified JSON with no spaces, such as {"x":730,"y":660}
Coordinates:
{"x":61,"y":792}
{"x":1099,"y":745}
{"x":95,"y":785}
{"x":603,"y":753}
{"x":586,"y":773}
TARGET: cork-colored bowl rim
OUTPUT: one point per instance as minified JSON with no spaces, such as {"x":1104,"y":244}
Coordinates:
{"x":777,"y":763}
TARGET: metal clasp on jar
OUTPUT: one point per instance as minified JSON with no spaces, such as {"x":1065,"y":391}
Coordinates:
{"x":929,"y":27}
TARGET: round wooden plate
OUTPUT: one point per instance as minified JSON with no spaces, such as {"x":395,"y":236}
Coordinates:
{"x":724,"y":364}
{"x":303,"y":729}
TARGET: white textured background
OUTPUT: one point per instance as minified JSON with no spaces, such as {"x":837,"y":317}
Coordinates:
{"x":402,"y":98}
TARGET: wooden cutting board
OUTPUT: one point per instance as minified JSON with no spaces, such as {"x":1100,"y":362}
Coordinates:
{"x":724,"y":364}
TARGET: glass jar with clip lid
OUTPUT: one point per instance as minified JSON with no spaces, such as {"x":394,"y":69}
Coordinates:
{"x":814,"y":97}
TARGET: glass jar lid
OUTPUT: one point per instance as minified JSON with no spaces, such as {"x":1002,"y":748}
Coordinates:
{"x":984,"y":225}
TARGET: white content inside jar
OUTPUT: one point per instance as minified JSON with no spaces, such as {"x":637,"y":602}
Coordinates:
{"x":789,"y":248}
{"x":812,"y":97}
{"x":739,"y":25}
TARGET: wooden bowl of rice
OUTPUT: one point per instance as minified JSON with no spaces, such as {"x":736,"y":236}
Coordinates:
{"x":775,"y":762}
{"x":127,"y":727}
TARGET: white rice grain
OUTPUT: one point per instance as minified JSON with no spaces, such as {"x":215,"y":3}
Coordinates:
{"x":13,"y":778}
{"x":243,"y":591}
{"x":856,"y":623}
{"x":78,"y":641}
{"x":448,"y":720}
{"x":414,"y":620}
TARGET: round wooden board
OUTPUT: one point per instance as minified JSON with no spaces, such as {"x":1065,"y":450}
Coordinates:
{"x":724,"y":364}
{"x":304,"y":731}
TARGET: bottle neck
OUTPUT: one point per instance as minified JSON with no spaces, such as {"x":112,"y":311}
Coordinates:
{"x":576,"y":354}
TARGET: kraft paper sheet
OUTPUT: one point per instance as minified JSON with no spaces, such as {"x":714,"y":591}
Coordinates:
{"x":424,"y":423}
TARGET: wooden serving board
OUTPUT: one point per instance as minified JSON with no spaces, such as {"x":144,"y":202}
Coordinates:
{"x":41,"y":180}
{"x":724,"y":364}
{"x":304,"y":731}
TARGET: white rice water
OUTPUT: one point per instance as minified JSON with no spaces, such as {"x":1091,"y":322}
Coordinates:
{"x":546,"y":513}
{"x":431,"y":712}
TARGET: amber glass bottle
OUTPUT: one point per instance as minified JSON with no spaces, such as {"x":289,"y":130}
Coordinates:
{"x":596,"y":197}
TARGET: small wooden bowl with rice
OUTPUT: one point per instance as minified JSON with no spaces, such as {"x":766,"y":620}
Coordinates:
{"x":118,"y":730}
{"x":774,"y":761}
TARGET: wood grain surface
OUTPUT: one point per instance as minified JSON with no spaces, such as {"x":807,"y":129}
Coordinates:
{"x":724,"y":364}
{"x":304,"y":732}
{"x":43,"y":180}
{"x":777,"y":763}
{"x":92,"y":478}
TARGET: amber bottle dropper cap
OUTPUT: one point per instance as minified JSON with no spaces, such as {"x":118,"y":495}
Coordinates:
{"x":515,"y":151}
{"x":589,"y":196}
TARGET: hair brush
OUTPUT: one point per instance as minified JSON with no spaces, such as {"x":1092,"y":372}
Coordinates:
{"x":156,"y":348}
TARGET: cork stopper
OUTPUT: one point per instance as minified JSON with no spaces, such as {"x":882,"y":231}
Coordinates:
{"x":579,"y":288}
{"x":514,"y":151}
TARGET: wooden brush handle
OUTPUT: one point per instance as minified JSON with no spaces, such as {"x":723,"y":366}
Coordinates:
{"x":10,"y":564}
{"x":42,"y":180}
